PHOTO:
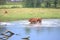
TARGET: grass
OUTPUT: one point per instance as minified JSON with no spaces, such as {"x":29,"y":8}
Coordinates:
{"x":26,"y":13}
{"x":9,"y":6}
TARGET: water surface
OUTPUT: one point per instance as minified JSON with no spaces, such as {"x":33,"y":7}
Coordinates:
{"x":48,"y":30}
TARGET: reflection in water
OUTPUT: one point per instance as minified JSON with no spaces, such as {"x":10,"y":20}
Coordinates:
{"x":38,"y":30}
{"x":2,"y":28}
{"x":27,"y":30}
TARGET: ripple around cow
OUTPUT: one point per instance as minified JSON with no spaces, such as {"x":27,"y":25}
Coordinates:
{"x":26,"y":23}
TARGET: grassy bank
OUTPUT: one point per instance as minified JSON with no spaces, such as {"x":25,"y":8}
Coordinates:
{"x":26,"y":13}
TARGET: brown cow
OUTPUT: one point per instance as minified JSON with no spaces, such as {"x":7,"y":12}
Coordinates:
{"x":35,"y":20}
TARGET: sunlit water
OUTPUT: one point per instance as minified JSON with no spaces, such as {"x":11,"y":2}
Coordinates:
{"x":49,"y":29}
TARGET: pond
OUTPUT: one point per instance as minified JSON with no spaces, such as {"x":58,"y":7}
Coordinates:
{"x":49,"y":29}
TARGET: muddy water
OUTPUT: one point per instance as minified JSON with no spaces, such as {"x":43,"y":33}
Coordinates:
{"x":49,"y":29}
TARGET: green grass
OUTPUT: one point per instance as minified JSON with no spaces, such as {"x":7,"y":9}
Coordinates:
{"x":9,"y":6}
{"x":26,"y":13}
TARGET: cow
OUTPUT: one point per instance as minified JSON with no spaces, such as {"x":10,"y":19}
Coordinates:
{"x":35,"y":20}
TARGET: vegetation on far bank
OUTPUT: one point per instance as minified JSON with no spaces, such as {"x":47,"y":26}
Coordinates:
{"x":26,"y":13}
